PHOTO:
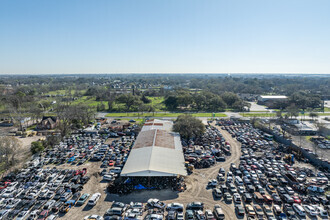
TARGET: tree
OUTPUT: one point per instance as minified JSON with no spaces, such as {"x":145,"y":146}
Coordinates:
{"x":313,"y":115}
{"x":171,"y":102}
{"x":279,"y":114}
{"x":36,"y":147}
{"x":217,"y":104}
{"x":128,"y":99}
{"x":189,"y":126}
{"x":51,"y":141}
{"x":145,"y":100}
{"x":230,"y":98}
{"x":292,"y":110}
{"x":9,"y":147}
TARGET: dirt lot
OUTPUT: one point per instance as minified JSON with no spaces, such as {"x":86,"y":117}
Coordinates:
{"x":196,"y":188}
{"x":323,"y":153}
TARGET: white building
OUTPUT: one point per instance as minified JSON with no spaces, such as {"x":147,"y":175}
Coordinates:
{"x":156,"y":152}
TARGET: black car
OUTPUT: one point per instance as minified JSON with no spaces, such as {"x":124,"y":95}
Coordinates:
{"x":84,"y":179}
{"x":288,"y":210}
{"x":195,"y":206}
{"x":247,"y":197}
{"x":13,"y":213}
{"x":281,"y":191}
{"x":76,"y":196}
{"x":239,"y":210}
{"x":276,"y":199}
{"x":29,"y":203}
{"x":39,"y":204}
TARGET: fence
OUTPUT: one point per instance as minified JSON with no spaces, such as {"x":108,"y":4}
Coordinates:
{"x":307,"y":154}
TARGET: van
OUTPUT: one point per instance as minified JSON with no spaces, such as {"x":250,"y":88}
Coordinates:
{"x":93,"y":200}
{"x":217,"y":193}
{"x":258,"y":197}
{"x":238,"y":181}
{"x":299,"y":210}
{"x":218,"y":212}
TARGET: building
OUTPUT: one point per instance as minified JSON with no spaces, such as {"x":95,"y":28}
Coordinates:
{"x":48,"y":123}
{"x":157,"y":152}
{"x":270,"y":100}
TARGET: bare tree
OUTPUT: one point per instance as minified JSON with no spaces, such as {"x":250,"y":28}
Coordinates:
{"x":9,"y":147}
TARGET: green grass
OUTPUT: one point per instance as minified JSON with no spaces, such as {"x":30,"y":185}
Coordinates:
{"x":162,"y":114}
{"x":89,"y":101}
{"x":56,"y":92}
{"x":157,"y":102}
{"x":258,"y":114}
{"x":31,"y":127}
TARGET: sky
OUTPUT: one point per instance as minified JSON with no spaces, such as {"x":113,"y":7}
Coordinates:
{"x":164,"y":36}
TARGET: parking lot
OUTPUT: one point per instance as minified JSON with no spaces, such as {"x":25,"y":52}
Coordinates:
{"x":253,"y":175}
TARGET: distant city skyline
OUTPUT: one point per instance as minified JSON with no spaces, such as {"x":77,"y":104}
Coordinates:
{"x":173,"y":36}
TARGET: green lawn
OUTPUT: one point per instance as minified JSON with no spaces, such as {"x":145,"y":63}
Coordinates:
{"x":258,"y":114}
{"x":157,"y":102}
{"x":56,"y":92}
{"x":162,"y":114}
{"x":89,"y":101}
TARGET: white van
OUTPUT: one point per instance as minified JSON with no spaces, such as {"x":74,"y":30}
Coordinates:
{"x":93,"y":200}
{"x":299,"y":210}
{"x":238,"y":181}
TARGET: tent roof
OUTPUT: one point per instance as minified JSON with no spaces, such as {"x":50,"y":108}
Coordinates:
{"x":155,"y":153}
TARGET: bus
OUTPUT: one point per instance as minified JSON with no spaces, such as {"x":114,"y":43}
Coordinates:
{"x":268,"y":137}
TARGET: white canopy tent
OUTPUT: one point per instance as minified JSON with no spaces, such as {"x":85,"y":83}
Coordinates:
{"x":156,"y":152}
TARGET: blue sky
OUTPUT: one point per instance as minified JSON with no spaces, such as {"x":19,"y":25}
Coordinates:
{"x":164,"y":36}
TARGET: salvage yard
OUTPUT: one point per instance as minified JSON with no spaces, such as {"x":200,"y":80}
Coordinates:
{"x":230,"y":157}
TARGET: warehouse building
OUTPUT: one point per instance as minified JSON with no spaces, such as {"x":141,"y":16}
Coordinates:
{"x":157,"y":152}
{"x":270,"y":100}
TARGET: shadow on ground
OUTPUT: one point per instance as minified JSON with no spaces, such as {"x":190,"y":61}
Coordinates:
{"x":143,"y":196}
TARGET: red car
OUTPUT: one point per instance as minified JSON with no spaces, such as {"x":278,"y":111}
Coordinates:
{"x":43,"y":215}
{"x":111,"y":163}
{"x":83,"y":172}
{"x":296,"y":199}
{"x":4,"y":185}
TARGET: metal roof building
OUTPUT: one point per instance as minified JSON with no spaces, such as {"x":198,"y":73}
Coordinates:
{"x":156,"y":152}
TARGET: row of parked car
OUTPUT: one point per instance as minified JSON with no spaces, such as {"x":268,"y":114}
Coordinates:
{"x":263,"y":185}
{"x":45,"y":193}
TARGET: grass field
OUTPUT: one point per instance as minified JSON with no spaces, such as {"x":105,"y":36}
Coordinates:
{"x":157,"y":103}
{"x":162,"y":114}
{"x":258,"y":114}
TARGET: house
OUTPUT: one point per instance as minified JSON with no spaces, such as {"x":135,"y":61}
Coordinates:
{"x":48,"y":122}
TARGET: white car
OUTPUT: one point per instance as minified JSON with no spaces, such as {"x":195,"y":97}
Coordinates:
{"x":4,"y":213}
{"x":179,"y":216}
{"x":310,"y":210}
{"x":213,"y":183}
{"x":13,"y":203}
{"x":33,"y":214}
{"x":94,"y":198}
{"x":107,"y":177}
{"x":9,"y":192}
{"x":299,"y":209}
{"x":93,"y":217}
{"x":22,"y":215}
{"x":52,"y":217}
{"x":237,"y":198}
{"x":175,"y":206}
{"x":156,"y":203}
{"x":320,"y":211}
